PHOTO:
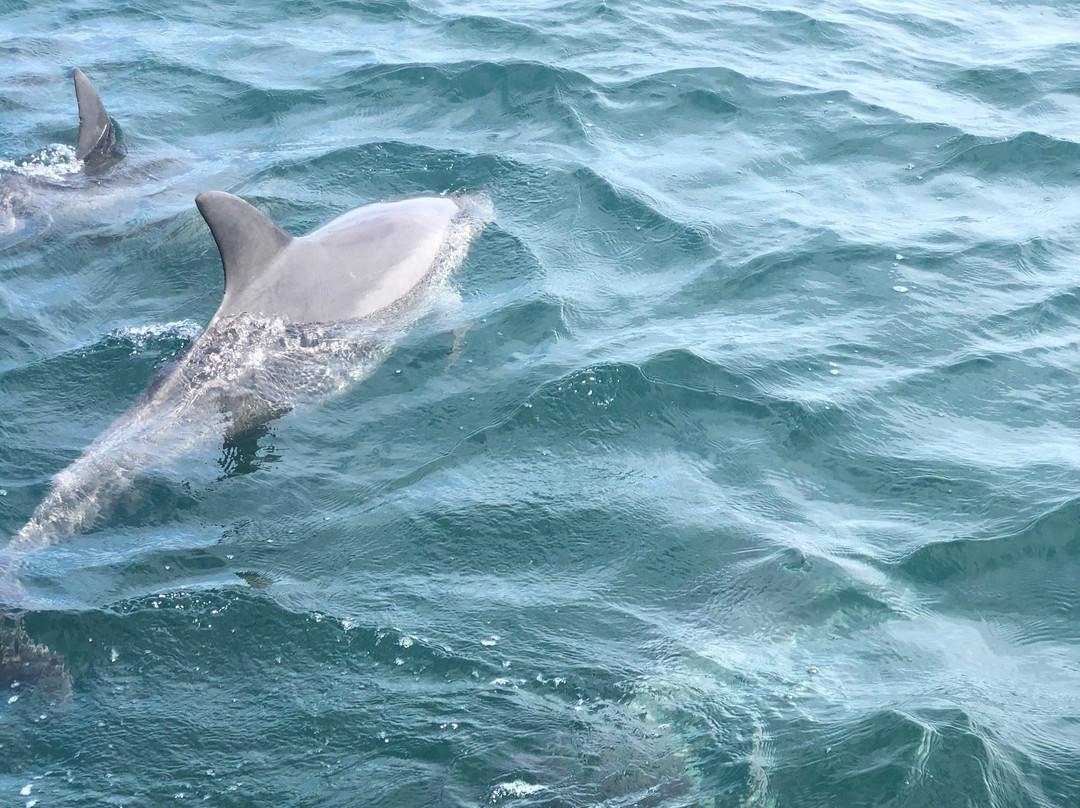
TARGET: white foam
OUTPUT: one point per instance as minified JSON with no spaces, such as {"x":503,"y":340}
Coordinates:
{"x":51,"y":163}
{"x":143,"y":335}
{"x":9,"y":223}
{"x":479,"y":206}
{"x":515,"y":788}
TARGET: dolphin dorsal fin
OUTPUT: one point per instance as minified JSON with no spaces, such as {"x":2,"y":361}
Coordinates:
{"x":94,"y":123}
{"x":246,"y":239}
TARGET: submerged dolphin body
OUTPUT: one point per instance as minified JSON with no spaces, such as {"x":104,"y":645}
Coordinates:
{"x":301,"y":317}
{"x":98,"y":149}
{"x":22,"y":659}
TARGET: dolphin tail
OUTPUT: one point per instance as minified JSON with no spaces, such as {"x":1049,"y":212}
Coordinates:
{"x":96,"y":136}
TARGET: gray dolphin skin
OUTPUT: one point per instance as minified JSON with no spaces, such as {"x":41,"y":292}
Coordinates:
{"x":362,"y":262}
{"x":301,"y":318}
{"x":97,"y":139}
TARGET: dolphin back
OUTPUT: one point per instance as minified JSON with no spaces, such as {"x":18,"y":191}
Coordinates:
{"x":365,"y":261}
{"x":96,"y":136}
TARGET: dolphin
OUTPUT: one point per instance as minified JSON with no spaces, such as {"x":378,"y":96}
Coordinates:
{"x":97,"y":151}
{"x":301,"y":318}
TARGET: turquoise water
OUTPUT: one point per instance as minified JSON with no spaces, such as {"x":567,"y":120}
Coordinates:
{"x":744,"y":472}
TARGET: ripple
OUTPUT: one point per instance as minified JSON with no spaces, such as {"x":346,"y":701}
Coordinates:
{"x":750,"y":525}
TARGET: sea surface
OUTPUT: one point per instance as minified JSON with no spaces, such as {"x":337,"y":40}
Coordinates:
{"x":743,"y":469}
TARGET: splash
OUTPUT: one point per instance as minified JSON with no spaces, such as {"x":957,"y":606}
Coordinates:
{"x":514,"y":789}
{"x":145,"y":334}
{"x":142,"y":337}
{"x":52,"y":163}
{"x":54,"y":166}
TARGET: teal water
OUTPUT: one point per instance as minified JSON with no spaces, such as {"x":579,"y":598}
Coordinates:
{"x":755,"y":481}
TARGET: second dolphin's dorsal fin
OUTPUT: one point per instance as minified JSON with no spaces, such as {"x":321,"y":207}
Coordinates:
{"x":246,"y":239}
{"x":95,"y":128}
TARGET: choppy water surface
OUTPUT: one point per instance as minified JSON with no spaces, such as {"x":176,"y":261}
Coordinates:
{"x":754,"y":483}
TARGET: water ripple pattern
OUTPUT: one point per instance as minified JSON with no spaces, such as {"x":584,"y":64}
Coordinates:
{"x":742,"y":469}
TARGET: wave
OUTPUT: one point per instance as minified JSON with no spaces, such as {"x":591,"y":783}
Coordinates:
{"x":1027,"y":156}
{"x":1052,"y":538}
{"x":745,"y":461}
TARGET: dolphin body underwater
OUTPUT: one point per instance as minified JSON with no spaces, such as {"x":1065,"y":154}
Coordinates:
{"x":301,"y":318}
{"x":97,"y":151}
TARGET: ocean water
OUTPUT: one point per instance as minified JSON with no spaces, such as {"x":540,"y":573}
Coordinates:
{"x":742,"y":469}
